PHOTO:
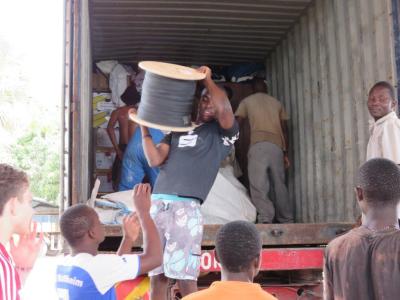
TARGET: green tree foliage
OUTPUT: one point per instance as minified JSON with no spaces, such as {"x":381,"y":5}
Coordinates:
{"x":29,"y":95}
{"x":29,"y":126}
{"x":37,"y":152}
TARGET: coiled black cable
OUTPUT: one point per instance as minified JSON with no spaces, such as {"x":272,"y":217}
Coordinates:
{"x":166,"y":101}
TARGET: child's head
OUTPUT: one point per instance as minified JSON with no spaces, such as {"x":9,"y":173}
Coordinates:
{"x":80,"y":224}
{"x":15,"y":199}
{"x":238,"y":246}
{"x":378,"y":185}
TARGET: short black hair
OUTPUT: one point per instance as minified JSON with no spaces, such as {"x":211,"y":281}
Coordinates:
{"x":13,"y":183}
{"x":379,"y":178}
{"x":228,"y":91}
{"x":259,"y":82}
{"x":75,"y":222}
{"x":131,"y":96}
{"x":237,"y":244}
{"x":386,"y":85}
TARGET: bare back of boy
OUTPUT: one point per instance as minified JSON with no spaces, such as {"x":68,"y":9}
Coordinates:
{"x":126,"y":126}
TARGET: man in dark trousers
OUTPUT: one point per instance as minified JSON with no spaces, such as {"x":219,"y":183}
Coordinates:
{"x":268,"y":154}
{"x":189,"y":164}
{"x":365,"y":262}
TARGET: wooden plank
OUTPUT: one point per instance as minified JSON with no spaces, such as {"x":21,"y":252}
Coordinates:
{"x":272,"y":234}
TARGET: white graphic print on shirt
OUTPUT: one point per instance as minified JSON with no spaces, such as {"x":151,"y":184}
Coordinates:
{"x":188,"y":140}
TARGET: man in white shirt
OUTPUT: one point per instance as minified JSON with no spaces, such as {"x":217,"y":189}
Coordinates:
{"x":384,"y":141}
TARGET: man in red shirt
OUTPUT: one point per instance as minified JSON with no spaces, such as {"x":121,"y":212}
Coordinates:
{"x":15,"y":218}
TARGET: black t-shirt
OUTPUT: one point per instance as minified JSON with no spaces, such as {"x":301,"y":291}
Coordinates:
{"x":194,"y":159}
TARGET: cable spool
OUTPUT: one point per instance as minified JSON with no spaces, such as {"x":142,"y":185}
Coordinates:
{"x":167,"y":96}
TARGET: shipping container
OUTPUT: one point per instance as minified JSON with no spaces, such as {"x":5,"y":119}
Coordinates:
{"x":321,"y":58}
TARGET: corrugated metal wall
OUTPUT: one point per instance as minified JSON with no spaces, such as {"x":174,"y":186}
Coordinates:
{"x":190,"y":31}
{"x":322,"y":71}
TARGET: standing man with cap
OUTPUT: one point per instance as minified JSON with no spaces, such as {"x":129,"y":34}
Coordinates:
{"x":189,"y":164}
{"x":384,"y":141}
{"x":268,"y":153}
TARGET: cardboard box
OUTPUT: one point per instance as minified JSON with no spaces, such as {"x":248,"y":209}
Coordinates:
{"x":104,"y":159}
{"x":102,"y":139}
{"x":105,"y":183}
{"x":99,"y":82}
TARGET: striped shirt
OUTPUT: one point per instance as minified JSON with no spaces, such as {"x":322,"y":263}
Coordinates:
{"x":9,"y":278}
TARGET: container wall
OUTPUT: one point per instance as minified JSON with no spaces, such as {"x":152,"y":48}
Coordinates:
{"x":322,"y":71}
{"x":81,"y":105}
{"x":86,"y":103}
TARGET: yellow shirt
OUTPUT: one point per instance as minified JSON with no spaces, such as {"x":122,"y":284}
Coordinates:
{"x":231,"y":290}
{"x":265,"y":114}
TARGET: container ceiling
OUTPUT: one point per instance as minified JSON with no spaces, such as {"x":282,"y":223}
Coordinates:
{"x":190,"y":32}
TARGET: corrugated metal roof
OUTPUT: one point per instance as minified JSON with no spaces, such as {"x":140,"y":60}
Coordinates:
{"x":190,"y":31}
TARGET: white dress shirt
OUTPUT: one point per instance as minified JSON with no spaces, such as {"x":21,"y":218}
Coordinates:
{"x":384,"y":141}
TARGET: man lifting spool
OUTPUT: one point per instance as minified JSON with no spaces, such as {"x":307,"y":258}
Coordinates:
{"x":188,"y":160}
